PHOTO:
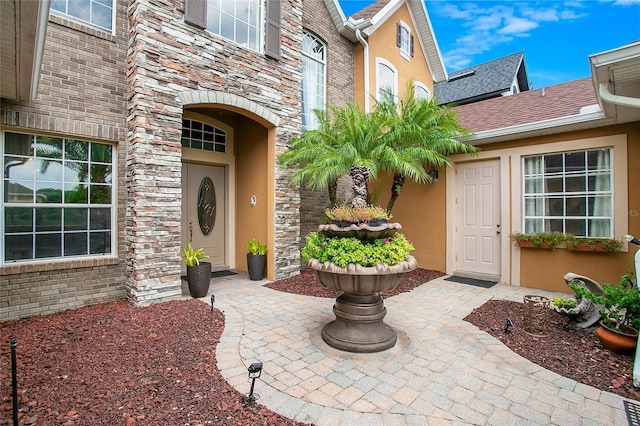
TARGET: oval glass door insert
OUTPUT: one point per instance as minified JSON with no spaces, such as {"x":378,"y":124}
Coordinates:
{"x":206,"y":206}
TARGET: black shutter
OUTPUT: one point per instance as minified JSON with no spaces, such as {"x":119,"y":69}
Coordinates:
{"x":195,"y":13}
{"x":412,"y":46}
{"x":398,"y":34}
{"x":272,"y":36}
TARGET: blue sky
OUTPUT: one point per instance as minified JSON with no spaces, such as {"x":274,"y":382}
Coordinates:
{"x":556,"y":37}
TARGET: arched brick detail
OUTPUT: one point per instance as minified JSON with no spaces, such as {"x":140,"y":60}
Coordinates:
{"x":195,"y":97}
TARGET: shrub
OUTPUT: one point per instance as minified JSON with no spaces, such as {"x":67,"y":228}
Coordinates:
{"x":343,"y":251}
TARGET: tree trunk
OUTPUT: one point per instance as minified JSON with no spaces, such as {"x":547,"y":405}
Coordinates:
{"x":398,"y":183}
{"x":333,"y":187}
{"x":359,"y":176}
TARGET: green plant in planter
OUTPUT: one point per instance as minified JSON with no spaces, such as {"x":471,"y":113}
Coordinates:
{"x":538,"y":238}
{"x":256,"y":248}
{"x":192,"y":257}
{"x":344,"y":251}
{"x":564,"y":302}
{"x":609,"y":244}
{"x":348,"y":213}
{"x":621,"y":302}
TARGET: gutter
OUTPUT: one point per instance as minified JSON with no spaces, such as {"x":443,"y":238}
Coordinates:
{"x":41,"y":34}
{"x":357,"y":27}
{"x":536,"y":128}
{"x":607,"y":96}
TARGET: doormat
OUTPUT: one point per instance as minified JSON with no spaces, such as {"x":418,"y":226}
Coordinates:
{"x":215,"y":274}
{"x":633,"y":412}
{"x":471,"y":281}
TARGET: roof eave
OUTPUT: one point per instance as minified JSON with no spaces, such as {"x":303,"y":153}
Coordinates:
{"x":581,"y":121}
{"x":24,"y":58}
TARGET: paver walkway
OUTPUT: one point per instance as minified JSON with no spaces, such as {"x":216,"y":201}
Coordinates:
{"x":442,"y":371}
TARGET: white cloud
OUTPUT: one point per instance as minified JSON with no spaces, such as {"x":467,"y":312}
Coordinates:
{"x":625,"y":2}
{"x":487,"y":24}
{"x":517,"y":26}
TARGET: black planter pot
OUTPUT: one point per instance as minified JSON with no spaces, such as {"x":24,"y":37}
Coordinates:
{"x":256,"y":264}
{"x":199,"y":278}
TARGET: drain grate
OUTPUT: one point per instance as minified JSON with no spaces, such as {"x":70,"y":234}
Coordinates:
{"x":633,"y":413}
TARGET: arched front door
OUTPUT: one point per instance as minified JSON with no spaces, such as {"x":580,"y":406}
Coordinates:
{"x":203,"y":211}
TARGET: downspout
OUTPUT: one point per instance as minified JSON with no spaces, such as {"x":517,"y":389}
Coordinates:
{"x":41,"y":34}
{"x":365,"y":46}
{"x":607,"y":96}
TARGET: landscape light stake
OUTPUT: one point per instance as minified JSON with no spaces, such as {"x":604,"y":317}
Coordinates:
{"x":507,"y":325}
{"x":213,"y":301}
{"x":255,"y":370}
{"x":14,"y":380}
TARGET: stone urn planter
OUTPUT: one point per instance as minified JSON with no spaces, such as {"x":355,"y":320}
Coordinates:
{"x":360,"y":310}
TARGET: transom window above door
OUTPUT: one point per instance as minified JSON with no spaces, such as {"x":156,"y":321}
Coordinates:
{"x":569,"y":192}
{"x":199,"y":135}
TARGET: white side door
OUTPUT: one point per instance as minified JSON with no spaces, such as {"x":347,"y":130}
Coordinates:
{"x":478,"y":225}
{"x":203,"y":210}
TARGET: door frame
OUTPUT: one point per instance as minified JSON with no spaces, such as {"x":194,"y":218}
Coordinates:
{"x":505,"y":215}
{"x":226,"y":160}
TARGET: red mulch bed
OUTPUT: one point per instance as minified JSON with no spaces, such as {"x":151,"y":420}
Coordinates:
{"x":307,"y":284}
{"x":577,"y":355}
{"x":115,"y":364}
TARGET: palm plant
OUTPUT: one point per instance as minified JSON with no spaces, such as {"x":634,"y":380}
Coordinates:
{"x":404,"y":139}
{"x":421,"y":135}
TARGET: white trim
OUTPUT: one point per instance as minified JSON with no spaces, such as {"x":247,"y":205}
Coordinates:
{"x":382,"y":61}
{"x":405,"y":55}
{"x":423,"y":86}
{"x":511,"y":193}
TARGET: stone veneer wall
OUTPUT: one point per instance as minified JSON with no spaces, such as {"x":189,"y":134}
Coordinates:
{"x":82,"y":95}
{"x":167,"y":57}
{"x":340,"y":90}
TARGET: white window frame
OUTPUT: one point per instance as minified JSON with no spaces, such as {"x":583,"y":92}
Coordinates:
{"x":405,"y":41}
{"x":82,"y":21}
{"x":212,"y":14}
{"x":419,"y":85}
{"x":381,"y":62}
{"x":545,"y":189}
{"x":61,"y":205}
{"x":309,"y":120}
{"x":196,"y":139}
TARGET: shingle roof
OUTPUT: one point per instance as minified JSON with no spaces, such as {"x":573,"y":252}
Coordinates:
{"x":483,"y":81}
{"x":371,"y":10}
{"x":552,"y":102}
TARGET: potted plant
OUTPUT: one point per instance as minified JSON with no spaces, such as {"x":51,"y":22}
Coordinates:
{"x":346,"y":215}
{"x":361,"y":268}
{"x":609,"y":245}
{"x":620,"y":318}
{"x":547,"y":240}
{"x":256,"y":259}
{"x":198,"y":273}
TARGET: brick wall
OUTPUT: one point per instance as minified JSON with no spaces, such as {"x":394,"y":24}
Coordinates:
{"x":340,"y":90}
{"x":81,"y":94}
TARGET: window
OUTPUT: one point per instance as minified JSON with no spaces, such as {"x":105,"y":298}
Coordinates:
{"x":198,"y":135}
{"x":421,"y":91}
{"x":236,"y":20}
{"x":313,"y":79}
{"x":569,"y":192}
{"x":96,"y":13}
{"x":386,"y":78}
{"x":404,"y":40}
{"x":57,"y":199}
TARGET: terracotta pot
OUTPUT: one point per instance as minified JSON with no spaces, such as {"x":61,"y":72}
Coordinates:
{"x":581,"y":246}
{"x":529,"y":244}
{"x":617,"y":341}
